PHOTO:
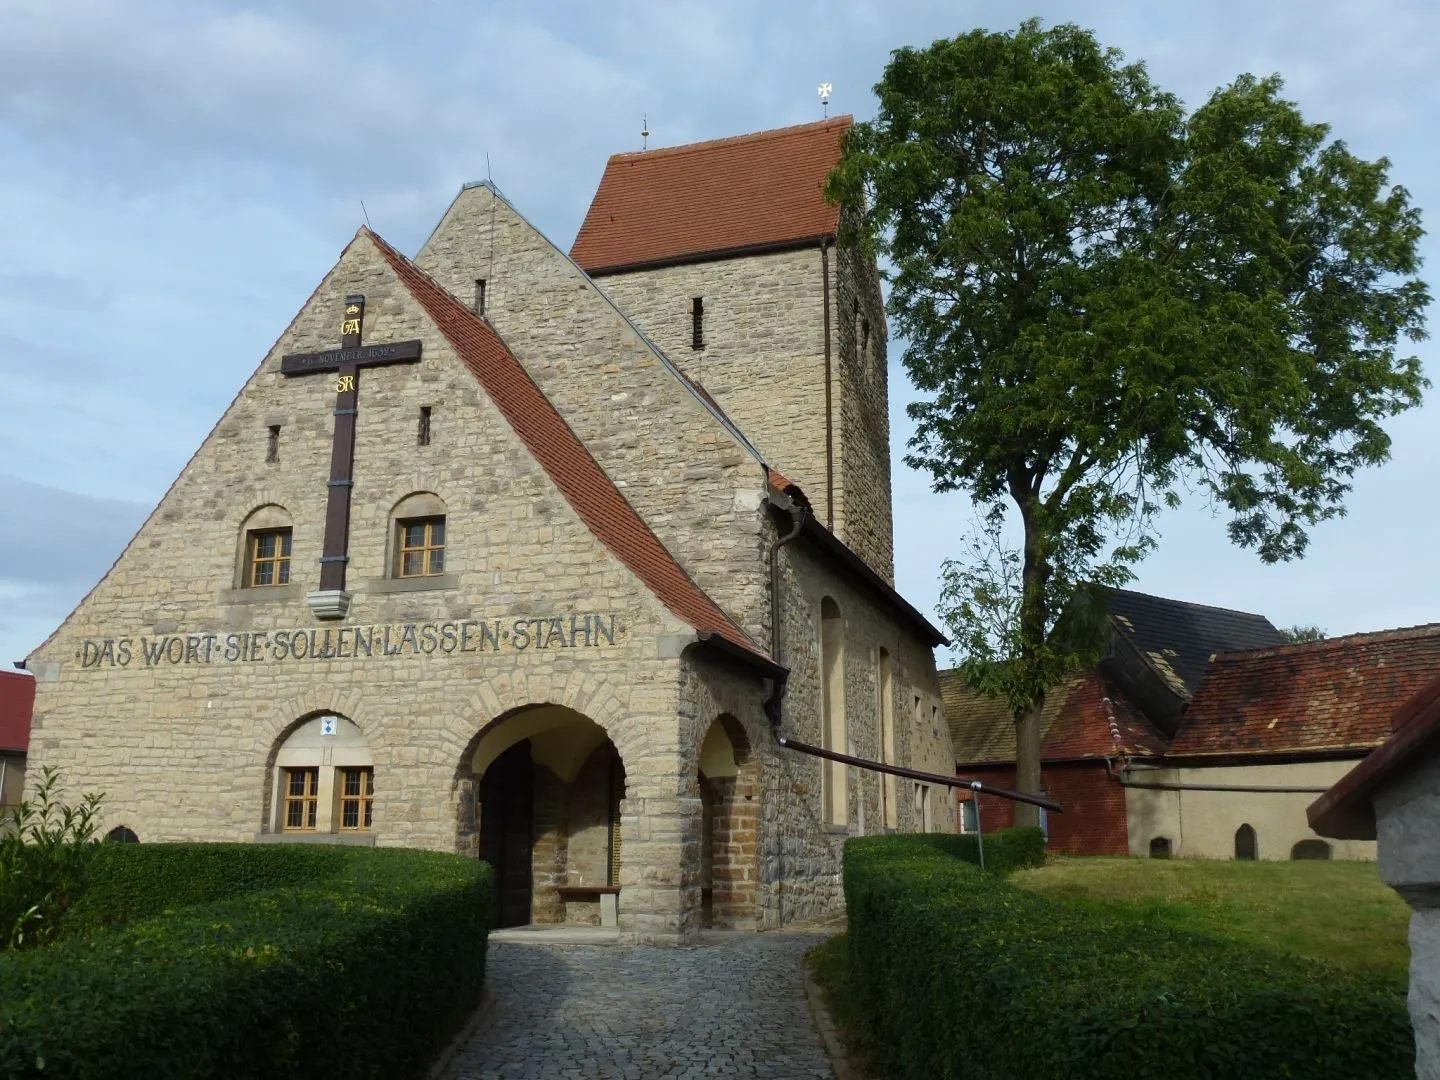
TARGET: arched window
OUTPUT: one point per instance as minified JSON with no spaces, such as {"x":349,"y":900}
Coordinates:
{"x":834,"y":797}
{"x":1160,"y":847}
{"x":889,"y":795}
{"x":1310,"y":849}
{"x":417,"y":536}
{"x":265,"y":549}
{"x":121,"y":835}
{"x":324,"y":779}
{"x":1246,"y":845}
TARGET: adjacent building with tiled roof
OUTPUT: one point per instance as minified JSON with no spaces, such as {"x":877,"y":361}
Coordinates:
{"x":491,"y":556}
{"x":1267,"y":731}
{"x":1127,"y":706}
{"x":1323,"y":697}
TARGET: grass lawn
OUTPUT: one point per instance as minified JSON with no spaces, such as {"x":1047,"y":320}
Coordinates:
{"x":1335,"y":911}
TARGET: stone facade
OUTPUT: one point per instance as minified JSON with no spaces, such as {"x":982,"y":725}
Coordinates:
{"x":171,"y":688}
{"x":763,"y":359}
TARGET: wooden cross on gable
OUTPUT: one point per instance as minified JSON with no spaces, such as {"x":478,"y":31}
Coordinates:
{"x":346,"y":362}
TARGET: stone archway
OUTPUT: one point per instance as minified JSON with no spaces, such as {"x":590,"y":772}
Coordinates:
{"x":547,"y":785}
{"x":730,"y":818}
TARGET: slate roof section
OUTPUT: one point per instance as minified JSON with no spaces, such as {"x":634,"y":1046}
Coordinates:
{"x":1332,"y":695}
{"x":17,"y":705}
{"x":564,"y":457}
{"x":708,"y":199}
{"x":1074,"y":725}
{"x":1347,"y":810}
{"x":1178,"y":638}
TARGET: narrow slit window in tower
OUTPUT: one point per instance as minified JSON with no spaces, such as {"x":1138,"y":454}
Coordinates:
{"x":480,"y":296}
{"x":423,"y":435}
{"x":272,"y":445}
{"x":697,"y":322}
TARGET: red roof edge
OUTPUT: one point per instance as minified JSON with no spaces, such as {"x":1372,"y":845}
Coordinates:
{"x":1346,"y":812}
{"x":569,"y":464}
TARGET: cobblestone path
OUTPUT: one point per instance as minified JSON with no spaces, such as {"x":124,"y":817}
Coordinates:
{"x":732,"y":1006}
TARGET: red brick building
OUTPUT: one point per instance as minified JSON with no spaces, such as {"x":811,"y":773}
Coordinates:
{"x":17,"y":702}
{"x":1129,"y":705}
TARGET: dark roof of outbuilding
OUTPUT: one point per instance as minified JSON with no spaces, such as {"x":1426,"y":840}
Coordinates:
{"x":705,"y":199}
{"x":1178,"y":637}
{"x":1331,"y":695}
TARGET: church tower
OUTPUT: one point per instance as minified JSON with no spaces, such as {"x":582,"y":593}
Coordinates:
{"x":726,"y":255}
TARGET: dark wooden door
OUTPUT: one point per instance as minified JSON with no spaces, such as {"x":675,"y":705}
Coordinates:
{"x":507,"y":815}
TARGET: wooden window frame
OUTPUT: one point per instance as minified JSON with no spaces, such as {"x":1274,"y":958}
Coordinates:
{"x":363,"y":800}
{"x":426,"y":549}
{"x":279,"y":563}
{"x":309,"y":796}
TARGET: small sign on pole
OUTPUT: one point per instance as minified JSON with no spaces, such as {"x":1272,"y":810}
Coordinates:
{"x":979,"y":831}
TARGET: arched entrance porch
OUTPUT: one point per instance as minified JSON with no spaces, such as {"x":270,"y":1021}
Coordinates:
{"x":548,"y":784}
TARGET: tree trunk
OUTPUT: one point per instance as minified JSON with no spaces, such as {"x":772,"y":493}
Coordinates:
{"x":1035,"y":575}
{"x":1027,"y":760}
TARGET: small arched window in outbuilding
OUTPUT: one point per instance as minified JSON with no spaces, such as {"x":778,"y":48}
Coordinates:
{"x":121,"y":835}
{"x":1160,"y":847}
{"x":1246,"y":845}
{"x":1310,"y":849}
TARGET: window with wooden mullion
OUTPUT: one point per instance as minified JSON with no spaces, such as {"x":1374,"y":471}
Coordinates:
{"x":302,"y":799}
{"x":421,"y":548}
{"x":269,"y":558}
{"x":357,"y":797}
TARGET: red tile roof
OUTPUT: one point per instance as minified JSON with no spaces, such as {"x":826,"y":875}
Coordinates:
{"x":17,"y":703}
{"x":564,"y":457}
{"x":1074,"y":724}
{"x":1337,"y":694}
{"x":1347,"y":810}
{"x":705,"y":199}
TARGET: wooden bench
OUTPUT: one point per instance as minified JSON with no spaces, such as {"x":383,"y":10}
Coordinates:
{"x":608,"y":895}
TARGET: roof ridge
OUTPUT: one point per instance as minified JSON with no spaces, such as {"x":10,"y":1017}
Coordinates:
{"x":1294,"y":648}
{"x":526,"y":399}
{"x":844,"y":120}
{"x":1191,"y":603}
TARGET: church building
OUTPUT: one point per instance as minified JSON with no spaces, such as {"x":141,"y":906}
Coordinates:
{"x":540,"y":558}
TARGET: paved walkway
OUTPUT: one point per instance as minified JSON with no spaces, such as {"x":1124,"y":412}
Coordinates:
{"x":731,"y":1006}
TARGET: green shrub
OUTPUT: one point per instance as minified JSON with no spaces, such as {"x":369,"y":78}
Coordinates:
{"x":958,"y":974}
{"x":130,"y":882}
{"x":45,"y":857}
{"x":364,"y":970}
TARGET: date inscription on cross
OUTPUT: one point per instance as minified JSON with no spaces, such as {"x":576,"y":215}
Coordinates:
{"x":332,"y":601}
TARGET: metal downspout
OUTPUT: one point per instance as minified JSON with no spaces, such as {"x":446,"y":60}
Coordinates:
{"x":829,"y":406}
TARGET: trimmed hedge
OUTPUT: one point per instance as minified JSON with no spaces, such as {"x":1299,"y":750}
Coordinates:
{"x":297,"y":961}
{"x":959,"y":974}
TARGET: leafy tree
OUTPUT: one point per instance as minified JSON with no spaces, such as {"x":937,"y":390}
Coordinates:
{"x":1297,"y":634}
{"x":1108,"y":301}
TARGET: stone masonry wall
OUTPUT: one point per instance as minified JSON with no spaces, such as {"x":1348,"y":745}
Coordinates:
{"x":182,"y":747}
{"x":800,"y":857}
{"x":864,"y":421}
{"x":692,"y":482}
{"x":764,"y":361}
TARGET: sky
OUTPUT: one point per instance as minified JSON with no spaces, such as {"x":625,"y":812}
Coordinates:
{"x":176,"y":175}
